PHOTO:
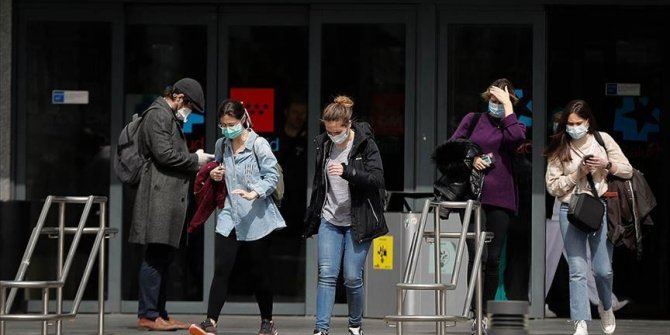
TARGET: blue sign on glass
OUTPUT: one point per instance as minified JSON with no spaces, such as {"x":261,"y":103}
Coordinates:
{"x":57,"y":97}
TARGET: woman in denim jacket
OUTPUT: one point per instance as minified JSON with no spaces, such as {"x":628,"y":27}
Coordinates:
{"x":248,"y":217}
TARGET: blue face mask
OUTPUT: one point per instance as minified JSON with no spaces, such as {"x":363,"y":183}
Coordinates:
{"x":577,"y":132}
{"x":232,"y":132}
{"x":496,"y":110}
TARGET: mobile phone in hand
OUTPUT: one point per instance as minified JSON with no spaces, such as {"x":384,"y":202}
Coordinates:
{"x":488,"y":159}
{"x":586,"y":158}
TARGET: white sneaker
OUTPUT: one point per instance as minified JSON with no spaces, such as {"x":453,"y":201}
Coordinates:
{"x":580,"y":328}
{"x":355,"y":331}
{"x":548,"y":313}
{"x":607,"y":320}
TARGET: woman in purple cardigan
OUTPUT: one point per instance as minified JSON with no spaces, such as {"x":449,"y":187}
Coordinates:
{"x":498,"y":132}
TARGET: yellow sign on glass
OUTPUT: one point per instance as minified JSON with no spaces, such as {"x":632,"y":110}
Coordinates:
{"x":382,"y":247}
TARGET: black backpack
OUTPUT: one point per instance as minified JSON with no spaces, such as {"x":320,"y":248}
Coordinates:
{"x":129,"y":162}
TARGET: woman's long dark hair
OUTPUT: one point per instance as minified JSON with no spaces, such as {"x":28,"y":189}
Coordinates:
{"x":559,"y":143}
{"x":235,"y":109}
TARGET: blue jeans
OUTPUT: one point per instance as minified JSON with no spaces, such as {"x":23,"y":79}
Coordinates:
{"x":336,"y":244}
{"x":601,"y":259}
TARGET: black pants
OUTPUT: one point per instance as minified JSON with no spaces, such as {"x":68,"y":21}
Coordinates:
{"x":225,"y":254}
{"x":495,"y":220}
{"x":153,"y":279}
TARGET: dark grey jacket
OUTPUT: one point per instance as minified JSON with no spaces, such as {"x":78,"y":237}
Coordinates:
{"x":365,"y":175}
{"x":162,"y":195}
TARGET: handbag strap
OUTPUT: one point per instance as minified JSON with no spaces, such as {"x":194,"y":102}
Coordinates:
{"x":589,"y":178}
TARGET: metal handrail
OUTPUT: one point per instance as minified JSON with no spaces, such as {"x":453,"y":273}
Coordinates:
{"x":480,"y":238}
{"x":63,"y":268}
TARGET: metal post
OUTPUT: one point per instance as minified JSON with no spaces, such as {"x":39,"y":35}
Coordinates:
{"x":45,"y":310}
{"x":399,"y":293}
{"x":59,"y":269}
{"x":27,"y":254}
{"x":438,"y":269}
{"x":101,"y":272}
{"x":478,"y":228}
{"x":3,"y":298}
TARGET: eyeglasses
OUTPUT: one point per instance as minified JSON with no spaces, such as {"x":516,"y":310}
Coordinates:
{"x":223,"y":126}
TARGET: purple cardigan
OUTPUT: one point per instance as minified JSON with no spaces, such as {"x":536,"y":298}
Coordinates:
{"x":500,"y":137}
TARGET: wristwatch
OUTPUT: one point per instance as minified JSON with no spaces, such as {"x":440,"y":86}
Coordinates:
{"x":608,"y":166}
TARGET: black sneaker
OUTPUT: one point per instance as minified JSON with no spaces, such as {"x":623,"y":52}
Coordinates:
{"x":268,"y":328}
{"x":207,"y":327}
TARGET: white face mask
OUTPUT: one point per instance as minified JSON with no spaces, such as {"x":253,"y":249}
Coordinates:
{"x":577,"y":132}
{"x":339,"y":138}
{"x":183,"y":113}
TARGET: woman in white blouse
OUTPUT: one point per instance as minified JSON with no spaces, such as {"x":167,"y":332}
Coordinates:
{"x":573,"y":154}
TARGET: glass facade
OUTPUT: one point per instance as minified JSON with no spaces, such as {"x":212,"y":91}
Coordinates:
{"x":268,"y":62}
{"x":67,"y":145}
{"x":583,"y":62}
{"x":367,"y":63}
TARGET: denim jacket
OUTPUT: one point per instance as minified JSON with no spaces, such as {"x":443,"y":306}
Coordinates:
{"x":252,"y":220}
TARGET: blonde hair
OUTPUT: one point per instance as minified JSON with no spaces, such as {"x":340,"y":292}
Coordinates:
{"x":338,"y":110}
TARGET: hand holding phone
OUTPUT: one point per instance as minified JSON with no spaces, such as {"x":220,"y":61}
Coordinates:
{"x":488,"y":159}
{"x":586,"y":158}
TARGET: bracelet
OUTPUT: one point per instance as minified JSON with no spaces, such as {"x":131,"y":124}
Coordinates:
{"x":608,"y":166}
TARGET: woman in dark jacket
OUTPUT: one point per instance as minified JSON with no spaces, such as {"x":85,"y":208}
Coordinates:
{"x":346,"y":209}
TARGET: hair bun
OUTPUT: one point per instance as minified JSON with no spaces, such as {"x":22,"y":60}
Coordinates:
{"x":344,"y":101}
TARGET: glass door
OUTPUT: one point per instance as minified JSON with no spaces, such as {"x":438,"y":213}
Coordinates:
{"x":161,"y":45}
{"x":263,"y":62}
{"x":367,"y":54}
{"x":591,"y":62}
{"x":64,"y":108}
{"x":476,"y":49}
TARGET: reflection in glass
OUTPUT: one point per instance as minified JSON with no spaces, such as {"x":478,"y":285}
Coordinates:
{"x":157,"y":56}
{"x":268,"y":72}
{"x":367,"y":63}
{"x":478,"y":55}
{"x":67,"y":145}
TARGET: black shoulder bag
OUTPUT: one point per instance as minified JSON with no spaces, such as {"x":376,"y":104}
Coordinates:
{"x":585,"y":211}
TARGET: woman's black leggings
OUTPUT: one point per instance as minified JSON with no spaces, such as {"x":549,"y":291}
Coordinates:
{"x":495,"y":220}
{"x":225,"y":254}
